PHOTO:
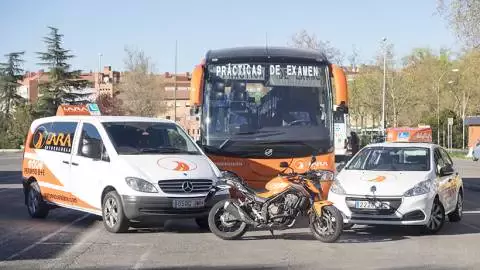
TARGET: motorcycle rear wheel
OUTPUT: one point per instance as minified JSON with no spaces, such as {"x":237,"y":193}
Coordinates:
{"x":328,"y":227}
{"x":227,"y":230}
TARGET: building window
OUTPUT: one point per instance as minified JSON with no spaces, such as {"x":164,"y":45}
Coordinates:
{"x":168,"y":117}
{"x":188,"y":131}
{"x":178,"y":119}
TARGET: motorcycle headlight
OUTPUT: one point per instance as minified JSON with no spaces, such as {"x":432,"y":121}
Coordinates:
{"x":337,"y":188}
{"x":230,"y":178}
{"x":141,"y":185}
{"x":421,"y":188}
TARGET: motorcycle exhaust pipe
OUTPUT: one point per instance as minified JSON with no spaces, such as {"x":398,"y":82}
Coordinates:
{"x":233,"y":209}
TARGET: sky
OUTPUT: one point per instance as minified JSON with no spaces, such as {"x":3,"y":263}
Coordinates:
{"x":107,"y":27}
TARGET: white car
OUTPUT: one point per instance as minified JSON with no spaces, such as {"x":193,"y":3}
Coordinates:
{"x":399,"y":184}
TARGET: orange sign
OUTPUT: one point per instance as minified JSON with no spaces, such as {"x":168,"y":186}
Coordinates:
{"x":88,"y":109}
{"x":406,"y":134}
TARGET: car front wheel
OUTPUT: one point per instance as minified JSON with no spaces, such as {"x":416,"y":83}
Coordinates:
{"x":437,"y":218}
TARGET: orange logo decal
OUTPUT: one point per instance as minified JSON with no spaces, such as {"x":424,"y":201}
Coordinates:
{"x":181,"y":166}
{"x":176,"y":164}
{"x":377,"y":179}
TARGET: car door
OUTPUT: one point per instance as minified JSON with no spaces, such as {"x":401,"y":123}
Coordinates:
{"x":451,"y":177}
{"x":442,"y":181}
{"x":90,"y":166}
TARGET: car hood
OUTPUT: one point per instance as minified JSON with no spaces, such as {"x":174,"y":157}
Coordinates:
{"x":385,"y":183}
{"x":162,"y":167}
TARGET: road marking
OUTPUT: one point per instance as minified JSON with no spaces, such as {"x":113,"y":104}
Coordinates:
{"x":6,"y":237}
{"x":11,"y":186}
{"x":471,"y":212}
{"x":45,"y":238}
{"x":142,"y":258}
{"x":70,"y":255}
{"x":471,"y":226}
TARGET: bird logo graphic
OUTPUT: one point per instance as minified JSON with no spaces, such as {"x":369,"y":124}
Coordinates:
{"x":378,"y":179}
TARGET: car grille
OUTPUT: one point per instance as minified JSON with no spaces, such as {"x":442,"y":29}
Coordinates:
{"x":185,"y":185}
{"x":394,"y":205}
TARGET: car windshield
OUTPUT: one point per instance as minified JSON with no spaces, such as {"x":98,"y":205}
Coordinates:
{"x":391,"y":159}
{"x":284,"y":107}
{"x":137,"y":138}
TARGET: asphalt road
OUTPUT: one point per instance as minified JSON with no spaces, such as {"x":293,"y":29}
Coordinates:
{"x":68,"y":239}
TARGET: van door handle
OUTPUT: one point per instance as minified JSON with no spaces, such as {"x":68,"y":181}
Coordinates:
{"x":66,"y":162}
{"x":74,"y":164}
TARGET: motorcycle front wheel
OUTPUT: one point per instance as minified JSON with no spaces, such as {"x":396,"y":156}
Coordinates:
{"x":328,"y":227}
{"x":221,"y":223}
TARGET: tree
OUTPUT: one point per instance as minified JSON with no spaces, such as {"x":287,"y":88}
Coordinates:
{"x":10,"y":74}
{"x":141,"y":91}
{"x":63,"y":85}
{"x":305,"y":40}
{"x":463,"y":17}
{"x":110,"y":105}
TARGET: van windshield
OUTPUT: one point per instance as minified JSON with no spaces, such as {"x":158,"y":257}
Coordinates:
{"x":137,"y":138}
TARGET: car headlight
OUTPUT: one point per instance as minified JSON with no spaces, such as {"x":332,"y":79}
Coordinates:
{"x":141,"y":185}
{"x":337,"y":188}
{"x":421,"y":188}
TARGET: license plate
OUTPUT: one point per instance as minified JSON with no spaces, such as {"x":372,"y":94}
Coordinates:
{"x":188,"y":203}
{"x":372,"y":205}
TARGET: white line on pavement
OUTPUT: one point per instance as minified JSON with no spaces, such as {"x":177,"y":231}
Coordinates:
{"x":45,"y":238}
{"x":471,"y":226}
{"x":7,"y":237}
{"x":142,"y":258}
{"x":471,"y":212}
{"x":77,"y":249}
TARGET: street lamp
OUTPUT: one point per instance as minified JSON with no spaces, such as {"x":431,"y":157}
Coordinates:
{"x":438,"y":101}
{"x":384,"y":40}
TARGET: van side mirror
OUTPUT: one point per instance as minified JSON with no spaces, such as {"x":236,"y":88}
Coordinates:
{"x":91,"y":149}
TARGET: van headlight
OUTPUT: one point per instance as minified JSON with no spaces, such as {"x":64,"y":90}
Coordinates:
{"x":337,"y":188}
{"x":421,"y":188}
{"x":141,"y":185}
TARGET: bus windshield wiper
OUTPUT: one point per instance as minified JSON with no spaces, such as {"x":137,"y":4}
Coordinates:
{"x":165,"y":150}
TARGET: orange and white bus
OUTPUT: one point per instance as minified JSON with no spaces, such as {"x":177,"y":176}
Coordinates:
{"x":260,"y":106}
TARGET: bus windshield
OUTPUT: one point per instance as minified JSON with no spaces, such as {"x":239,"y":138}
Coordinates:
{"x":274,"y":110}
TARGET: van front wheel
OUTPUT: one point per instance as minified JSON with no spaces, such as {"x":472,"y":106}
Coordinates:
{"x":114,"y":218}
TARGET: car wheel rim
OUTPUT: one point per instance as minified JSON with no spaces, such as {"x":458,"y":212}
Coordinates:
{"x":32,"y":201}
{"x":111,"y":212}
{"x":436,"y":217}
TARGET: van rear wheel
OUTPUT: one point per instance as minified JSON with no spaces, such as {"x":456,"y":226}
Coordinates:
{"x":37,"y":207}
{"x":114,"y":218}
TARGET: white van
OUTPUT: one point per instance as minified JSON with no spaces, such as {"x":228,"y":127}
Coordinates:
{"x":122,"y":168}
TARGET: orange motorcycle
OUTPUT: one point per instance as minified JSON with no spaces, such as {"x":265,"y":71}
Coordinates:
{"x":288,"y":196}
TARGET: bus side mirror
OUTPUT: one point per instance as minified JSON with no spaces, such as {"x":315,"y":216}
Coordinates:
{"x":283,"y":164}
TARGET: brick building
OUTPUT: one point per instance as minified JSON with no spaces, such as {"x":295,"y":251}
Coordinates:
{"x":104,"y":82}
{"x":189,"y":123}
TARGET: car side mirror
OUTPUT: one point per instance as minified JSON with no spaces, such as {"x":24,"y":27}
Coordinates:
{"x":341,"y":166}
{"x":446,"y":170}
